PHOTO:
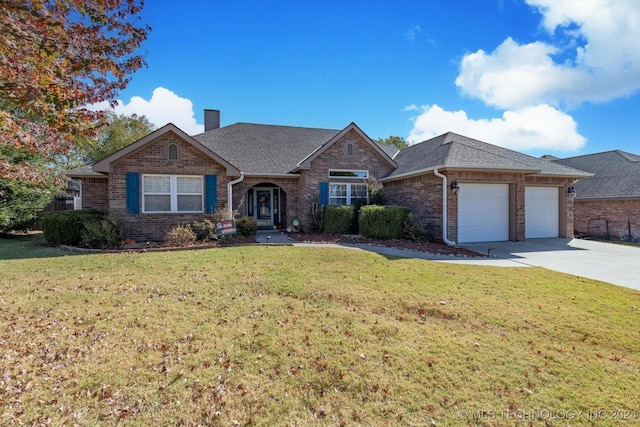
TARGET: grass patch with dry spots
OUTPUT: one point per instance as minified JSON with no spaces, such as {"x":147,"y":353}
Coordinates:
{"x":308,"y":336}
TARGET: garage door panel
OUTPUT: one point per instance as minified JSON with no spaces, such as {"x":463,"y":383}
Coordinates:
{"x":542,"y":215}
{"x":483,"y":212}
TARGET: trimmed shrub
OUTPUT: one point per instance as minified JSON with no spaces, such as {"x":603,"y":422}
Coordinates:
{"x":246,"y":226}
{"x":338,"y":219}
{"x":66,"y":227}
{"x":180,"y":235}
{"x":383,"y":222}
{"x":108,"y":232}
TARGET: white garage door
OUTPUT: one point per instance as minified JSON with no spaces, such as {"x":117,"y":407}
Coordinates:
{"x":483,"y":212}
{"x":541,"y":212}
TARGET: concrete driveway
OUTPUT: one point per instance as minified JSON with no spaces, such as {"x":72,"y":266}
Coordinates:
{"x":608,"y":262}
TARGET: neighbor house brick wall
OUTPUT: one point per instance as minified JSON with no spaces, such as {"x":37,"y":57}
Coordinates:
{"x":95,"y":194}
{"x":153,"y":159}
{"x":361,"y":156}
{"x":607,"y":218}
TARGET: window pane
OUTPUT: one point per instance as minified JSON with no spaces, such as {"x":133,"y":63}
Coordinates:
{"x":157,"y":184}
{"x":156,"y":203}
{"x":190,"y":203}
{"x":349,"y":174}
{"x":188,"y":184}
{"x":338,"y":190}
{"x":337,"y":201}
{"x":358,"y":191}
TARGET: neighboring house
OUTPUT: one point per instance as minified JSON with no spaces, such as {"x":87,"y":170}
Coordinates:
{"x":272,"y":173}
{"x":608,"y":204}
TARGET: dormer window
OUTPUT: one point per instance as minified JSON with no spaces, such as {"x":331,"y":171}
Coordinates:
{"x":173,"y":152}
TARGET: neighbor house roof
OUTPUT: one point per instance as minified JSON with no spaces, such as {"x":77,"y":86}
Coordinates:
{"x":456,"y":152}
{"x":616,"y":175}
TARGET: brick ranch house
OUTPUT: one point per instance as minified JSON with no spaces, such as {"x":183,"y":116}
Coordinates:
{"x":462,"y":189}
{"x":608,"y":204}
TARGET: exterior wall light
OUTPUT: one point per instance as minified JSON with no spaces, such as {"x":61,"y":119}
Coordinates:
{"x":572,"y":191}
{"x":455,"y":187}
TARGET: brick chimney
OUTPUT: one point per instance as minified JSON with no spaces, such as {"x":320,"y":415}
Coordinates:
{"x":211,"y":119}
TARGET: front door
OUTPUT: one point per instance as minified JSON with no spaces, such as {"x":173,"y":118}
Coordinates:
{"x":264,"y":207}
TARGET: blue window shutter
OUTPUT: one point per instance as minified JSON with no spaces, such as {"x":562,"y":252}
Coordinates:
{"x":324,"y":193}
{"x":133,"y":192}
{"x":211,"y":193}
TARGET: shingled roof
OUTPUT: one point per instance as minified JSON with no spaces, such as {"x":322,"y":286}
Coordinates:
{"x":616,"y":175}
{"x":452,"y":151}
{"x":264,"y":149}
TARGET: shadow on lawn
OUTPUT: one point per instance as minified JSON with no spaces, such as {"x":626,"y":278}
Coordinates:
{"x":23,"y":246}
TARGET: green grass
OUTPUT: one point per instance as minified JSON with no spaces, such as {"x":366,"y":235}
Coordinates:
{"x":20,"y":246}
{"x":309,"y":336}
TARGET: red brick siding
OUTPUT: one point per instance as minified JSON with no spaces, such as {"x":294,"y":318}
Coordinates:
{"x":602,"y":218}
{"x":337,"y":157}
{"x":95,"y":194}
{"x":153,"y":159}
{"x":423,"y":195}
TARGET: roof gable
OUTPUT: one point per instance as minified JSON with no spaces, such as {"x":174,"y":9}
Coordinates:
{"x":104,"y":165}
{"x":306,"y":162}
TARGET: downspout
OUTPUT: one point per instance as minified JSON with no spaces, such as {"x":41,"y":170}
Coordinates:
{"x":444,"y":207}
{"x":230,"y":184}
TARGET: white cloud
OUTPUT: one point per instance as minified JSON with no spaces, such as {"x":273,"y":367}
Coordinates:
{"x":529,"y":128}
{"x":163,"y":107}
{"x":411,"y":33}
{"x":596,"y":41}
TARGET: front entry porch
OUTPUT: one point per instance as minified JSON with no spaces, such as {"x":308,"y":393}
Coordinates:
{"x":266,"y":204}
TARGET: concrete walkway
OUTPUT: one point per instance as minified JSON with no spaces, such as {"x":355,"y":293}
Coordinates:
{"x":608,"y":262}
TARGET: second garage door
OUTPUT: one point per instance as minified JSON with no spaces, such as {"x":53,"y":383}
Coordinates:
{"x":483,"y":212}
{"x":541,"y":212}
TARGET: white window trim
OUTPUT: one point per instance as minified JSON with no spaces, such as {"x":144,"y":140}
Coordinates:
{"x":173,"y":193}
{"x":356,"y":171}
{"x":348,"y":196}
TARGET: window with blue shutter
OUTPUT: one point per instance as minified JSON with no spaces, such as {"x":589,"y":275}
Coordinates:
{"x":211,"y":193}
{"x":132,"y":186}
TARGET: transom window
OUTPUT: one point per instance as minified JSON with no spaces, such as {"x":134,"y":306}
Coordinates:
{"x":345,"y":173}
{"x":171,"y":193}
{"x":347,"y":194}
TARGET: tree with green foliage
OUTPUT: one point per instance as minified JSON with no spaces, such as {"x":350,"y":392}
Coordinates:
{"x":120,"y":131}
{"x":58,"y":57}
{"x":22,"y":200}
{"x":395,"y":141}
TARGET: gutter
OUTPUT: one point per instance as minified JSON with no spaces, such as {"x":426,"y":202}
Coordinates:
{"x":230,"y":184}
{"x":444,"y":207}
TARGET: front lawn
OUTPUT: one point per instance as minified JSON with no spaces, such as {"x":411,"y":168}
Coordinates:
{"x":272,"y":335}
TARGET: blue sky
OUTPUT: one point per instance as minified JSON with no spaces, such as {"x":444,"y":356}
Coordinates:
{"x":537,"y":76}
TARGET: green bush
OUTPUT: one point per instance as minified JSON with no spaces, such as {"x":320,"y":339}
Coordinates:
{"x":246,"y":226}
{"x":108,"y":232}
{"x":66,"y":227}
{"x":383,"y":222}
{"x":338,"y":219}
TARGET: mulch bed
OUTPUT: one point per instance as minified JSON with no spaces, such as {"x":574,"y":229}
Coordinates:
{"x":429,"y":247}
